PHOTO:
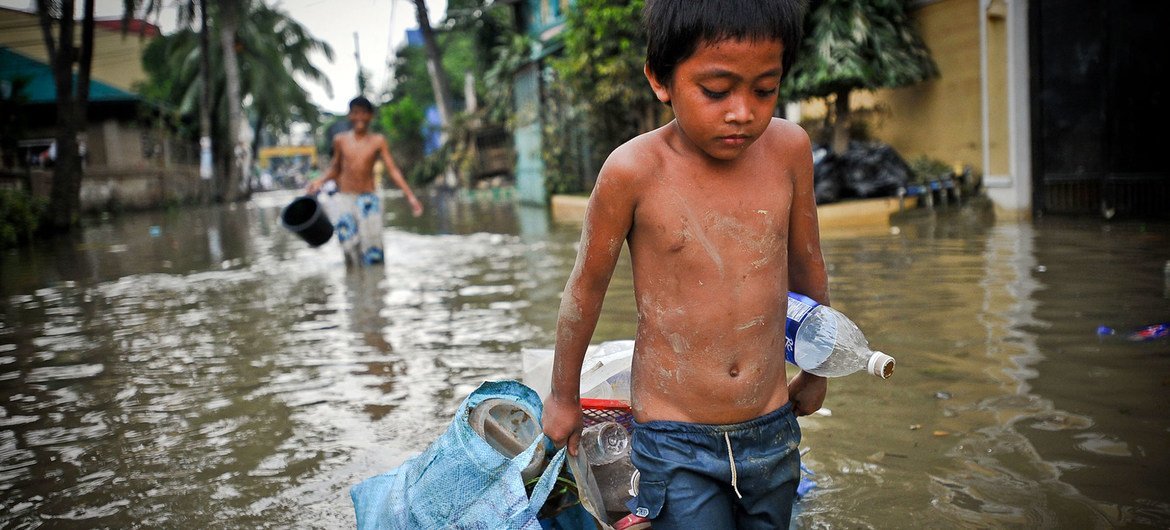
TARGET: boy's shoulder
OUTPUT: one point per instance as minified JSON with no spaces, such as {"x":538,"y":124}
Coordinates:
{"x":632,"y":159}
{"x":785,"y":134}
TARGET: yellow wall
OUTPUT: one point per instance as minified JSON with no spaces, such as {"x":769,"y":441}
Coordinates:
{"x":997,"y":93}
{"x":117,"y":59}
{"x":942,"y":118}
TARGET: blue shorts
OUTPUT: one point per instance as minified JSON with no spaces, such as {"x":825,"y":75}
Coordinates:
{"x":693,"y":475}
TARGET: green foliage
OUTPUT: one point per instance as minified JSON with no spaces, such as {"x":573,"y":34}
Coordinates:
{"x":273,"y":49}
{"x":562,"y":142}
{"x":604,"y":91}
{"x":403,"y":119}
{"x":498,"y":79}
{"x":857,"y":44}
{"x":475,"y":38}
{"x":926,"y":169}
{"x":20,"y":216}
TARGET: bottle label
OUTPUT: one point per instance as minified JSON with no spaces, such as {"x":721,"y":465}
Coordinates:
{"x":799,"y":307}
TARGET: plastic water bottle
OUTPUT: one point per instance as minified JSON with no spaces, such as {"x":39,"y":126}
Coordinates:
{"x":605,"y":442}
{"x":822,"y":341}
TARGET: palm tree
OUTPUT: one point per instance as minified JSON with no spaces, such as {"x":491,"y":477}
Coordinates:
{"x":72,"y":93}
{"x":272,"y":51}
{"x":856,"y":44}
{"x":228,"y":14}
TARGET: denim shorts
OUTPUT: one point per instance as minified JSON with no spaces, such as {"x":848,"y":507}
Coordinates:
{"x":693,"y":475}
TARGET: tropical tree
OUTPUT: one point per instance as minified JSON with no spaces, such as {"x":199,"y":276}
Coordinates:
{"x":434,"y":54}
{"x":64,"y":50}
{"x":856,"y":45}
{"x":274,"y":53}
{"x":275,"y":50}
{"x":228,"y":13}
{"x":600,"y":85}
{"x":469,"y":38}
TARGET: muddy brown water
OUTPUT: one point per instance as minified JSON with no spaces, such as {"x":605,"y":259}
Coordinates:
{"x":216,"y":371}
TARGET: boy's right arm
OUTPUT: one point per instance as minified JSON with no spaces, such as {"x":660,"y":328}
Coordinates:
{"x":608,"y":219}
{"x":330,"y":174}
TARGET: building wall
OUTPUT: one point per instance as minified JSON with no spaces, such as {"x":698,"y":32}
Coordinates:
{"x":942,"y":118}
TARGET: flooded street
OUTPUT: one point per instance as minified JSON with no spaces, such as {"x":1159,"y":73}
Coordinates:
{"x":205,"y":367}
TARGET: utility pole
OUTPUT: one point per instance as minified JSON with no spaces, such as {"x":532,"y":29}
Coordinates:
{"x":361,"y":72}
{"x":205,"y":163}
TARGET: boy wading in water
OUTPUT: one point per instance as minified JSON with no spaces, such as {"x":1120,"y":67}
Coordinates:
{"x":358,"y":221}
{"x":718,"y":210}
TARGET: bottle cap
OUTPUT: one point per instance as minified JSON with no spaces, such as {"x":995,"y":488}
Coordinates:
{"x":881,"y":365}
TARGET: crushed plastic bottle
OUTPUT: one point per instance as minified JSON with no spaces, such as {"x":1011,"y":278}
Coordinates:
{"x":605,"y":442}
{"x":822,"y":341}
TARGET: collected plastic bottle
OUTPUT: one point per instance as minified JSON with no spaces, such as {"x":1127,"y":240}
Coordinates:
{"x":824,"y":342}
{"x":605,"y":442}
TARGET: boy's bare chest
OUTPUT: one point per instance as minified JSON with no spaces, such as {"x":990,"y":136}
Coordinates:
{"x":722,"y":218}
{"x":360,"y":151}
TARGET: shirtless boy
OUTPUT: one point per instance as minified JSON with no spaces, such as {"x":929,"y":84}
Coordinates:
{"x":718,"y":211}
{"x":358,"y":220}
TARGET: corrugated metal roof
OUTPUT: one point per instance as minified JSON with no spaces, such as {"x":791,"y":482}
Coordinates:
{"x":40,"y":86}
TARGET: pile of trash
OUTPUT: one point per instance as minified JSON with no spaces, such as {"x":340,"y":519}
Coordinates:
{"x":866,"y":169}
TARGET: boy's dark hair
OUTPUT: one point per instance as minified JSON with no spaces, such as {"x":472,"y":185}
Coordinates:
{"x":675,"y":28}
{"x":361,"y":102}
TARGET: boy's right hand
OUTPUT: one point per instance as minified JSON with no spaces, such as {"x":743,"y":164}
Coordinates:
{"x":314,"y":186}
{"x":562,"y":422}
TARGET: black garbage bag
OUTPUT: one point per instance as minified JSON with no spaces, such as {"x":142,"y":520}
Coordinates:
{"x":826,"y":176}
{"x":867,"y":169}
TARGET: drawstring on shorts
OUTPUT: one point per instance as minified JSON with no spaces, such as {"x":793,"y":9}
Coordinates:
{"x":731,"y":460}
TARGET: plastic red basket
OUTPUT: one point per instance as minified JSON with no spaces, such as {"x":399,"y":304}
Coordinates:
{"x":599,"y":410}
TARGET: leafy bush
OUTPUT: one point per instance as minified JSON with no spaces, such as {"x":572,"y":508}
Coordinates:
{"x":926,"y":169}
{"x":20,"y":215}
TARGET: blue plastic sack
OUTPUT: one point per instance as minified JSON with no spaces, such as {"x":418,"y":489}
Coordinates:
{"x":460,"y":481}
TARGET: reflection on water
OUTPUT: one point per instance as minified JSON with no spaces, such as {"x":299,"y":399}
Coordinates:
{"x":215,"y":369}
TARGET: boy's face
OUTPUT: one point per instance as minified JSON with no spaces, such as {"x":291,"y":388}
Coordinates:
{"x":360,"y":118}
{"x":724,"y":94}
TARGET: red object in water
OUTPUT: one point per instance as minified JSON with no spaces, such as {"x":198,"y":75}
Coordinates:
{"x":1155,"y":331}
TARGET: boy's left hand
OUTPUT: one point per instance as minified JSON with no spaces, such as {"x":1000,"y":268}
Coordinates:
{"x":807,"y":392}
{"x":415,"y":207}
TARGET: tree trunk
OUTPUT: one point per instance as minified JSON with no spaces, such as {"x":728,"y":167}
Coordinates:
{"x":206,"y":163}
{"x":842,"y":121}
{"x":439,"y":82}
{"x":72,"y":105}
{"x":228,"y":22}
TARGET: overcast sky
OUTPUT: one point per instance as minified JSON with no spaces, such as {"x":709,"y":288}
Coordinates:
{"x":380,"y":24}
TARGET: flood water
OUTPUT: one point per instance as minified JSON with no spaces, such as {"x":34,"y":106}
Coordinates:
{"x":205,"y":367}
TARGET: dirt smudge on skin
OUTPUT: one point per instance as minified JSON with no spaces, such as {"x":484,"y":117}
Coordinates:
{"x":758,"y":321}
{"x":696,"y":230}
{"x":765,"y":243}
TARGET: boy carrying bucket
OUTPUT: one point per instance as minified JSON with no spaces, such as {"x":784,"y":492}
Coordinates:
{"x":358,"y":210}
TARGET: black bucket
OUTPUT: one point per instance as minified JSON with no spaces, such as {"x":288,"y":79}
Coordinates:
{"x":305,"y":217}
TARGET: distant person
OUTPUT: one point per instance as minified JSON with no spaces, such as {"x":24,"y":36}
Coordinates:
{"x":718,"y":211}
{"x":358,"y":206}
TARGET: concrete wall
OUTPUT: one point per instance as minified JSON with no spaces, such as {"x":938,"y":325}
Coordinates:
{"x":940,"y":118}
{"x":105,"y":189}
